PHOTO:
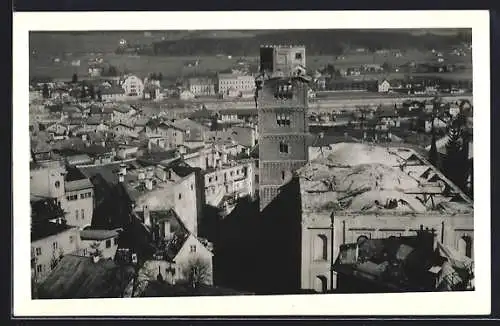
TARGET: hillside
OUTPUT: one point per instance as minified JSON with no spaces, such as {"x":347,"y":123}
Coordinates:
{"x":317,"y":42}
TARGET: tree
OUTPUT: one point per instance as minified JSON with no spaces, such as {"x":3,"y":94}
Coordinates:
{"x":74,"y":79}
{"x":197,"y":272}
{"x":96,"y":251}
{"x":45,"y":91}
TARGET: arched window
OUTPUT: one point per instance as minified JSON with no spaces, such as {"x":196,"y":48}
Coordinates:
{"x":465,"y":245}
{"x":320,"y":284}
{"x":284,"y":148}
{"x":320,"y":247}
{"x":282,"y":175}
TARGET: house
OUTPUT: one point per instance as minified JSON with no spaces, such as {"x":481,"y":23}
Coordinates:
{"x":201,"y":86}
{"x":51,"y":237}
{"x":80,"y":277}
{"x":384,"y":86}
{"x":95,"y":123}
{"x":124,"y":129}
{"x":112,"y":94}
{"x":186,"y":95}
{"x":230,"y":180}
{"x":173,"y":135}
{"x":78,"y":199}
{"x":99,"y":242}
{"x":126,"y":151}
{"x":181,"y":251}
{"x":123,"y":112}
{"x":233,"y":84}
{"x":193,"y":131}
{"x":132,"y":85}
{"x":57,"y":130}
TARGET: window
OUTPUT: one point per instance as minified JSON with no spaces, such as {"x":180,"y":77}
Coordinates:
{"x":57,"y":184}
{"x":192,"y":187}
{"x":282,"y":175}
{"x":231,"y":173}
{"x":283,"y":119}
{"x":320,"y":284}
{"x":108,"y":243}
{"x":71,"y":197}
{"x":54,"y":245}
{"x":71,"y":239}
{"x":298,"y":56}
{"x":82,"y":213}
{"x":320,"y":247}
{"x":210,"y":179}
{"x":284,"y":148}
{"x":192,"y":248}
{"x":38,"y":268}
{"x":115,"y":241}
{"x":76,"y":214}
{"x":38,"y":251}
{"x":82,"y":196}
{"x":180,"y":196}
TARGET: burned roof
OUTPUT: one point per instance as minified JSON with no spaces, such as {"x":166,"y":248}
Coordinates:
{"x":364,"y":178}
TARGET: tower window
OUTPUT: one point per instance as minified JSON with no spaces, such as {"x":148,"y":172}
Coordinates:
{"x":282,"y":175}
{"x":283,"y":119}
{"x":283,"y":91}
{"x":284,"y":148}
{"x":298,"y":56}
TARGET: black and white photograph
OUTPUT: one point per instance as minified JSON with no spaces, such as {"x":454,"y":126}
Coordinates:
{"x":260,"y":163}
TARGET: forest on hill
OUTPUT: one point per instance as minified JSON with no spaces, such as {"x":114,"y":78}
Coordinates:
{"x":317,"y":42}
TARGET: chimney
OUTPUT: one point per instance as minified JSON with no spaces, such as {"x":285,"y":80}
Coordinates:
{"x":123,"y":169}
{"x":149,"y":184}
{"x":147,"y":219}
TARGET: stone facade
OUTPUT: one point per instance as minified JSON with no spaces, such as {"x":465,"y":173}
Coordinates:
{"x":282,"y":108}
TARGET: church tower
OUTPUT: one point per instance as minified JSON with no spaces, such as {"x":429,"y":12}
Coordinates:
{"x":281,"y":101}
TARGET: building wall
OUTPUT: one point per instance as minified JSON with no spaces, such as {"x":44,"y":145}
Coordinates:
{"x":237,"y":180}
{"x":48,"y":182}
{"x":65,"y":242}
{"x":245,"y":136}
{"x":449,"y":229}
{"x":79,"y":211}
{"x":285,"y":59}
{"x":276,"y":168}
{"x":186,"y":205}
{"x":185,"y":255}
{"x":107,"y":247}
{"x":133,"y":85}
{"x":239,"y":83}
{"x":207,"y":89}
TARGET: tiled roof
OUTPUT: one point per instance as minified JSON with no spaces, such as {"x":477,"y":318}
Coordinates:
{"x":80,"y":277}
{"x":78,"y":185}
{"x":43,"y":230}
{"x":98,"y":235}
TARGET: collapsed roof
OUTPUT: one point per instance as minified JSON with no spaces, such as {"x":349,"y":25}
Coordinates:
{"x":365,"y":178}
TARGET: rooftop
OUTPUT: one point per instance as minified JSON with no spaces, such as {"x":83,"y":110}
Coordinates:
{"x":47,"y":229}
{"x":359,"y":178}
{"x":91,"y":234}
{"x":80,"y":277}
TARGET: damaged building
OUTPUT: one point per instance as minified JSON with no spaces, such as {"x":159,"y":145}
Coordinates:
{"x":353,"y":191}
